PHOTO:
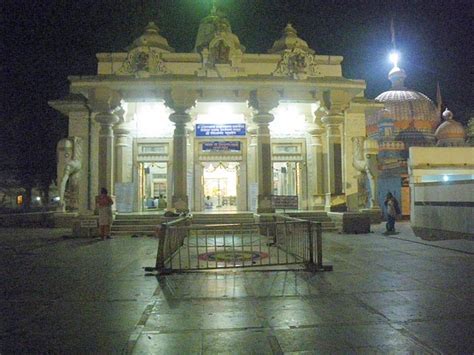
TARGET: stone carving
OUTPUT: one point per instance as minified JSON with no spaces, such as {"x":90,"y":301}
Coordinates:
{"x":143,"y":62}
{"x":298,"y":64}
{"x":69,"y":153}
{"x":365,"y":161}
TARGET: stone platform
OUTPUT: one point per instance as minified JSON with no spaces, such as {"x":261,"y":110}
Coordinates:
{"x":387,"y":294}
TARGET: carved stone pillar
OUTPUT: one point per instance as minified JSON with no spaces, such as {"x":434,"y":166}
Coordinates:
{"x":123,"y":153}
{"x":264,"y":163}
{"x":315,"y":151}
{"x":264,"y":100}
{"x":180,"y":197}
{"x":252,"y":174}
{"x":106,"y":149}
{"x":336,"y":101}
{"x":180,"y":99}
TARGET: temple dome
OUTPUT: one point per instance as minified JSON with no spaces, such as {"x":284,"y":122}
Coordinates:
{"x":450,"y":132}
{"x":411,"y":110}
{"x":152,"y":38}
{"x":289,"y":41}
{"x":214,"y":25}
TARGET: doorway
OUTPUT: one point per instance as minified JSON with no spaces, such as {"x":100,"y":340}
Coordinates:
{"x":153,"y":185}
{"x":220,"y":182}
{"x":286,"y":178}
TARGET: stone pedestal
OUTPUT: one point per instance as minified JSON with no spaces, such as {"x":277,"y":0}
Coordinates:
{"x":375,"y":214}
{"x":351,"y":222}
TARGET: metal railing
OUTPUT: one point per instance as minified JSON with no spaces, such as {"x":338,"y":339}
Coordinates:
{"x":284,"y":241}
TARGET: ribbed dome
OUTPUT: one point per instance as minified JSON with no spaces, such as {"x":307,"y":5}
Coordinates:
{"x":152,"y":38}
{"x":410,"y":110}
{"x":450,"y":132}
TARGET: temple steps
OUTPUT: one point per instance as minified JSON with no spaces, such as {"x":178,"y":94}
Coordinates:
{"x":145,"y":224}
{"x":223,"y":218}
{"x":315,"y":216}
{"x":135,"y":224}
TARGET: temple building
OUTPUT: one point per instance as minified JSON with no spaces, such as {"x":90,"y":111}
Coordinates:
{"x":409,"y":119}
{"x":222,"y":129}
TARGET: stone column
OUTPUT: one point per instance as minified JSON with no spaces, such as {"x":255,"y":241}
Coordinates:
{"x":252,"y":179}
{"x":123,"y":153}
{"x":331,"y":121}
{"x":264,"y":100}
{"x":180,"y":197}
{"x":264,"y":163}
{"x":106,"y":149}
{"x":317,"y":166}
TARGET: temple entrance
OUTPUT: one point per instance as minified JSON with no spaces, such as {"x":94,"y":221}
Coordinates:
{"x":220,"y":180}
{"x":287,"y":180}
{"x":153,"y":185}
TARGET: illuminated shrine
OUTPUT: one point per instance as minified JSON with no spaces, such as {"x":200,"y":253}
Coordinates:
{"x":217,"y":128}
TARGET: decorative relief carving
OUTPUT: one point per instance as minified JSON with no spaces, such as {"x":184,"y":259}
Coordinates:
{"x":365,"y":161}
{"x":143,"y":62}
{"x":298,"y":64}
{"x":69,"y":154}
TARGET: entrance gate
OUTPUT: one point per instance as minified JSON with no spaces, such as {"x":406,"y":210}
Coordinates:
{"x":284,"y":241}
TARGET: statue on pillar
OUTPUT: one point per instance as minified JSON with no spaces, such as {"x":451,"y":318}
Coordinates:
{"x":365,"y":161}
{"x":69,"y":153}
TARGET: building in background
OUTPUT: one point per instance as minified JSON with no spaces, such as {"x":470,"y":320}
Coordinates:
{"x":409,"y":118}
{"x":442,"y":189}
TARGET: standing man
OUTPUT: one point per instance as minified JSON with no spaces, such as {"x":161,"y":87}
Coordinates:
{"x":393,"y":209}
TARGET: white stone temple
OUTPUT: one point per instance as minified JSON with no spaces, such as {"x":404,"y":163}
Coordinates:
{"x":217,"y":128}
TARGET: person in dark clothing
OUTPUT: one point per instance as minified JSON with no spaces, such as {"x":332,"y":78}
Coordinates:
{"x":393,"y":209}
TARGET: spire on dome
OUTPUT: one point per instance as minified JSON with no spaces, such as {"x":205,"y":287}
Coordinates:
{"x":396,"y":75}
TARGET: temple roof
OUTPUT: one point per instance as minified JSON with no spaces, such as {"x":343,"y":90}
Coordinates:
{"x":450,"y":132}
{"x":152,"y":38}
{"x":290,"y":40}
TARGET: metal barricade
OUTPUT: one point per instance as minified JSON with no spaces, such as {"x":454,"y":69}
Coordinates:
{"x":284,"y":241}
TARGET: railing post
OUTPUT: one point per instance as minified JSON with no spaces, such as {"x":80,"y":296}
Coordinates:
{"x":161,"y":234}
{"x":310,"y":242}
{"x":319,"y":244}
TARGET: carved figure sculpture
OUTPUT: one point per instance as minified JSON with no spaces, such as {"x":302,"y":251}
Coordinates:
{"x":69,"y":153}
{"x":365,"y":161}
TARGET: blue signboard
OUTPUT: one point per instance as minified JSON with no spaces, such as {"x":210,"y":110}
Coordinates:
{"x":221,"y":146}
{"x":220,"y":130}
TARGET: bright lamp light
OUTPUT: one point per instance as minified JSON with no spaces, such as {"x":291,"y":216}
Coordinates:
{"x":394,"y":58}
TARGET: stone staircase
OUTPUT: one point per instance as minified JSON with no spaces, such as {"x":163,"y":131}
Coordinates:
{"x":316,"y":216}
{"x":145,"y":224}
{"x":135,"y":224}
{"x":246,"y":218}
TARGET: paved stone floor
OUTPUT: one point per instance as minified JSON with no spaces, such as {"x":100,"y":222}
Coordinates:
{"x":392,"y":293}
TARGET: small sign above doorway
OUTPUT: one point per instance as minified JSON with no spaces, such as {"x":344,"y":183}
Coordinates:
{"x":221,"y":146}
{"x":220,"y":130}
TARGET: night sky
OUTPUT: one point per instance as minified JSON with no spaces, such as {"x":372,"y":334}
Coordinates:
{"x":42,"y":42}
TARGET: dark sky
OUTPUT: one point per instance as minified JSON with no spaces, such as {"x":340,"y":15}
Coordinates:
{"x":44,"y":41}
